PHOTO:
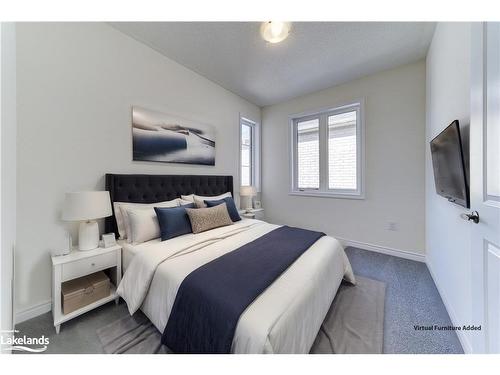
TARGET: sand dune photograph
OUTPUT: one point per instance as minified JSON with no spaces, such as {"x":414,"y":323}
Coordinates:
{"x":160,"y":137}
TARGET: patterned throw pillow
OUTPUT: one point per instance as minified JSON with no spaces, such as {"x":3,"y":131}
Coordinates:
{"x":203,"y":219}
{"x":231,"y":207}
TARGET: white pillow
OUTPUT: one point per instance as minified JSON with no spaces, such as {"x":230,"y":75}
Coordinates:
{"x":198,"y":199}
{"x":144,"y":225}
{"x":172,"y":203}
{"x":120,"y":212}
{"x":183,"y":202}
{"x":189,"y":198}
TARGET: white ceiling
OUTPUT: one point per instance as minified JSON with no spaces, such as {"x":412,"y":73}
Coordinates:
{"x":315,"y":56}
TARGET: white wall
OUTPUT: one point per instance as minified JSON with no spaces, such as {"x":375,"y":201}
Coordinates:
{"x":8,"y":168}
{"x":76,"y":84}
{"x":447,"y":235}
{"x":394,"y":183}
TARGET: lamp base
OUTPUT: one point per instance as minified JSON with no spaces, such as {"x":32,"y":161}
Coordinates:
{"x":249,"y":206}
{"x":88,"y":235}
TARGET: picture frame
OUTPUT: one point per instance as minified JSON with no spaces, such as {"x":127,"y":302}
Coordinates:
{"x":257,"y":204}
{"x":108,"y":240}
{"x":167,"y":138}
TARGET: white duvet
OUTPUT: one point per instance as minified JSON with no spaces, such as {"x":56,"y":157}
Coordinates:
{"x":285,"y":318}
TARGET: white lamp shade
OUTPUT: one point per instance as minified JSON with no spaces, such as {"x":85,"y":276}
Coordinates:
{"x":248,"y":191}
{"x":86,"y":205}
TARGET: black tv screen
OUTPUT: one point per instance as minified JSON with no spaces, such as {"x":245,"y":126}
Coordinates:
{"x":449,"y":165}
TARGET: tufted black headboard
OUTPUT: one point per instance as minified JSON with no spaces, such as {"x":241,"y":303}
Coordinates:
{"x":144,"y":188}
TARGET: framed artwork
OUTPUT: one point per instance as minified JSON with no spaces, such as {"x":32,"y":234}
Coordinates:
{"x":109,"y":239}
{"x":161,"y":137}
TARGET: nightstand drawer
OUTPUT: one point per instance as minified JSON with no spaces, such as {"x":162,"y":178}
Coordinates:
{"x":87,"y":266}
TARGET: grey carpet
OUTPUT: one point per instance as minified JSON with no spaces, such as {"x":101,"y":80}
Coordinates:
{"x":354,"y":324}
{"x":411,"y":298}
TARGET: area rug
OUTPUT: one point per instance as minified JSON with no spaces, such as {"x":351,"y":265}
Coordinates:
{"x":354,"y":324}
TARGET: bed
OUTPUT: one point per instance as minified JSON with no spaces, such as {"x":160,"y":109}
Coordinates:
{"x":285,"y":318}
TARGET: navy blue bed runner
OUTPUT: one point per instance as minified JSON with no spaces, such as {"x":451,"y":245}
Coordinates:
{"x":211,"y":299}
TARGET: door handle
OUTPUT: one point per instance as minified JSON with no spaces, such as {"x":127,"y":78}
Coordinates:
{"x":473,"y":216}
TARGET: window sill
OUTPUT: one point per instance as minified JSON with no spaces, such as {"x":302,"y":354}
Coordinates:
{"x":322,"y":194}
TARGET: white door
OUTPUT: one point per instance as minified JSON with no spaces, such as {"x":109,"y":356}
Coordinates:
{"x":485,"y":184}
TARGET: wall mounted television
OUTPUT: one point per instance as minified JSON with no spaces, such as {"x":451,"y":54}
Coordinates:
{"x":448,"y":161}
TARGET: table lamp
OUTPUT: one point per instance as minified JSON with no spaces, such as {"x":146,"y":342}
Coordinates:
{"x":249,"y":192}
{"x":86,"y":207}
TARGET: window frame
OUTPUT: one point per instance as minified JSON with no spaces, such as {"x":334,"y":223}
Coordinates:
{"x":295,"y":148}
{"x":322,"y":115}
{"x":254,"y":152}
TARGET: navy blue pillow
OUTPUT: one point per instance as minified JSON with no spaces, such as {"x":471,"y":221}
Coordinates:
{"x":174,"y":221}
{"x":231,"y":207}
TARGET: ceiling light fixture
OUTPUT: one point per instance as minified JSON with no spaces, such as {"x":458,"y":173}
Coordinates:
{"x":275,"y":32}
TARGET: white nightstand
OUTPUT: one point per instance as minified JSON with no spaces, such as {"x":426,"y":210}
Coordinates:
{"x":255,"y":213}
{"x":81,"y":263}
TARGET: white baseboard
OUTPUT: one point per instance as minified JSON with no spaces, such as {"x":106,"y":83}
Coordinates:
{"x":32,"y":312}
{"x":384,"y":250}
{"x":462,"y":337}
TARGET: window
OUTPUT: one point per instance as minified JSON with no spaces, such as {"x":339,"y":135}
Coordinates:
{"x":308,"y":154}
{"x":249,"y":153}
{"x":327,"y":153}
{"x":342,"y":158}
{"x":246,"y":154}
